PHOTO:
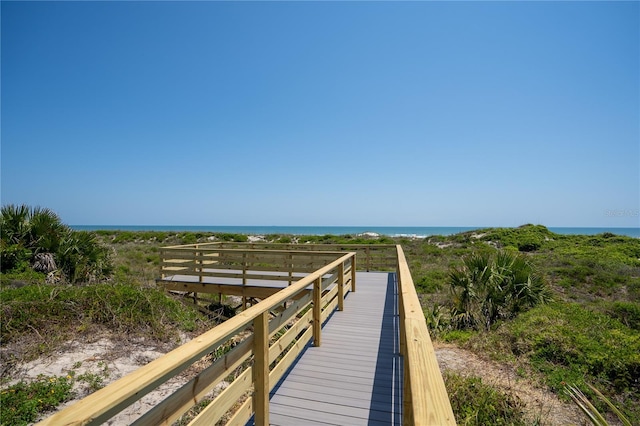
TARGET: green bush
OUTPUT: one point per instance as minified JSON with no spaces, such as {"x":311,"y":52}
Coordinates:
{"x":432,"y":281}
{"x":29,"y":235}
{"x":121,"y":307}
{"x":569,"y":342}
{"x":236,"y":238}
{"x":526,"y":238}
{"x":627,"y":313}
{"x":476,"y":403}
{"x":488,"y":288}
{"x":188,"y":238}
{"x":21,"y":403}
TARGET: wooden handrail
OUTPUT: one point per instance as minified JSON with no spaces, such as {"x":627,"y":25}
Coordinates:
{"x":373,"y":257}
{"x":424,"y":396}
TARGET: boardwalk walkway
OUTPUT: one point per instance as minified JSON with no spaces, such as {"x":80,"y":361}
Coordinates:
{"x":354,"y":377}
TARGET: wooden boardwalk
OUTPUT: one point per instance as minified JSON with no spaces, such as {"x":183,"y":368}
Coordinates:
{"x":354,"y":377}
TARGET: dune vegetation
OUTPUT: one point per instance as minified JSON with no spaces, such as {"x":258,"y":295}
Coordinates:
{"x":561,"y":310}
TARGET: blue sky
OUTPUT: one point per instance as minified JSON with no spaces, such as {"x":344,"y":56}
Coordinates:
{"x":304,"y":113}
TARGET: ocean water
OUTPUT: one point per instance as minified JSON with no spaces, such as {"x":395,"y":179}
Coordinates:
{"x":393,"y":231}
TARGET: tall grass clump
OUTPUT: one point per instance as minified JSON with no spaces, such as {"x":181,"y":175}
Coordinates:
{"x":57,"y":312}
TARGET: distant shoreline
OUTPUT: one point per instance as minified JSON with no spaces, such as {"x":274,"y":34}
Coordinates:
{"x":391,"y":231}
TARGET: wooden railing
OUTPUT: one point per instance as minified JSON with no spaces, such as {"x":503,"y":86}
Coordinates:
{"x":263,"y":346}
{"x":424,"y":396}
{"x":261,"y":342}
{"x":372,"y":257}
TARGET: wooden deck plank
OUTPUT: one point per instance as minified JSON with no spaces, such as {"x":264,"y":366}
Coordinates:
{"x":353,"y":378}
{"x":290,"y":386}
{"x":308,"y":414}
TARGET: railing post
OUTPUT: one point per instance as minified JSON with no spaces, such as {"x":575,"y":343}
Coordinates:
{"x":353,"y":274}
{"x":317,"y":310}
{"x":244,"y":279}
{"x":368,"y":258}
{"x":198,"y":262}
{"x":341,"y":287}
{"x":162,"y":254}
{"x":261,"y":368}
{"x":290,"y":266}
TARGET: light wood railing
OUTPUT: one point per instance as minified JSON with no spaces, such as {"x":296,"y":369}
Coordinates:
{"x":372,"y":257}
{"x":263,"y":346}
{"x":424,"y":397}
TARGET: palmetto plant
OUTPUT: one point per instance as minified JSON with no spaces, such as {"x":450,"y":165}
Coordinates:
{"x":37,"y":238}
{"x":487,"y":288}
{"x":587,"y":407}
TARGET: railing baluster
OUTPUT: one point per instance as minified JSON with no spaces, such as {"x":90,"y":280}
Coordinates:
{"x":353,"y":274}
{"x":341,"y":286}
{"x":317,"y":310}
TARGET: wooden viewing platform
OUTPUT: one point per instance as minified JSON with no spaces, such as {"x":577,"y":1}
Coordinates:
{"x":320,"y":344}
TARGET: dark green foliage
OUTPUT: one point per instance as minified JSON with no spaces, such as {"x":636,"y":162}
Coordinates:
{"x":627,"y":313}
{"x":236,"y":238}
{"x":29,"y":234}
{"x":218,"y":308}
{"x":82,"y":258}
{"x":21,"y":403}
{"x":14,"y":257}
{"x":526,"y":238}
{"x":432,"y":281}
{"x":476,"y":403}
{"x":20,"y":279}
{"x":488,"y":288}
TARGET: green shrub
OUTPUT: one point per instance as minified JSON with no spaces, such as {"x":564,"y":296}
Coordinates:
{"x":236,"y":238}
{"x":432,"y":281}
{"x":188,"y":238}
{"x":568,"y":342}
{"x":476,"y":403}
{"x":29,"y":235}
{"x":21,"y":403}
{"x":20,"y":279}
{"x":526,"y":238}
{"x":488,"y":288}
{"x":627,"y":313}
{"x":457,"y":336}
{"x":122,"y":308}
